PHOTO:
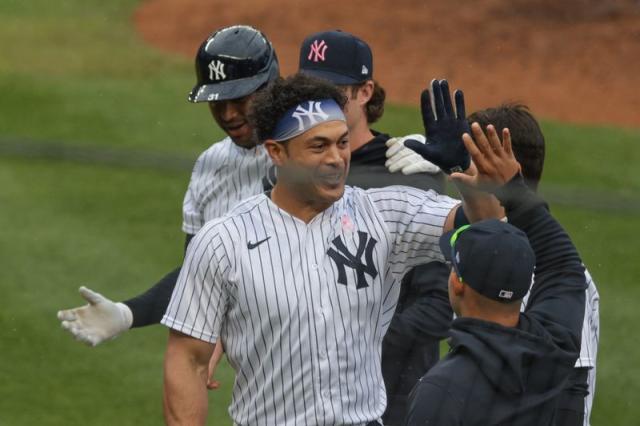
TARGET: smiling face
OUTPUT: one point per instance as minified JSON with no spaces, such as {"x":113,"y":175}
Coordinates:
{"x":314,"y":164}
{"x":231,"y":116}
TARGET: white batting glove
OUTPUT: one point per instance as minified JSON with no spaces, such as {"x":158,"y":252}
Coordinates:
{"x":98,"y":321}
{"x":406,"y":160}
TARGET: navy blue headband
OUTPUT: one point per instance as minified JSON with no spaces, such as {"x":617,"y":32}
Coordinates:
{"x":305,"y":116}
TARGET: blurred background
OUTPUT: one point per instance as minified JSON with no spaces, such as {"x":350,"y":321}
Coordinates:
{"x":97,"y":142}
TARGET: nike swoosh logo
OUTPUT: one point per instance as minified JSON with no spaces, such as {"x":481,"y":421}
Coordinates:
{"x":251,"y":245}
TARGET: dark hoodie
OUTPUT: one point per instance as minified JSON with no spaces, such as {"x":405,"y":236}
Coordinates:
{"x":496,"y":375}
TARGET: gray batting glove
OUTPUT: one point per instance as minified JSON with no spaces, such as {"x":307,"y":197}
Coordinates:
{"x":98,"y":321}
{"x":406,"y":160}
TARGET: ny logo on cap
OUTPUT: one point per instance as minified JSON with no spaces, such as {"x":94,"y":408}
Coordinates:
{"x":316,"y":53}
{"x":315,"y":110}
{"x":343,"y":258}
{"x":216,"y":70}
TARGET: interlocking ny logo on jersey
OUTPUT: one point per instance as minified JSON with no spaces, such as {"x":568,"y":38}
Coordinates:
{"x":216,"y":70}
{"x":344,"y":258}
{"x":316,"y":53}
{"x":315,"y":110}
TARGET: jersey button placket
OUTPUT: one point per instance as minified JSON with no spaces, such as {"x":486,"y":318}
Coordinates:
{"x":316,"y":254}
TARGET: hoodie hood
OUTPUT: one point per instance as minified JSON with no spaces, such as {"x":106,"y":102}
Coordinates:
{"x":514,"y":360}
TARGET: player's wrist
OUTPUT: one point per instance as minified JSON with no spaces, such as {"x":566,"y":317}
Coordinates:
{"x":126,"y":315}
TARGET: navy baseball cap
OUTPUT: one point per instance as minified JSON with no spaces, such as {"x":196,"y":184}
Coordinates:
{"x":492,"y":257}
{"x":339,"y":57}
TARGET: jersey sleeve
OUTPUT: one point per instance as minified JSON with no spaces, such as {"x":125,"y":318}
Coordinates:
{"x":590,"y":325}
{"x":414,"y":218}
{"x":199,"y":301}
{"x":192,"y":214}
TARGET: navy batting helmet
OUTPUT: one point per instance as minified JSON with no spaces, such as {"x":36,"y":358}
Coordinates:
{"x":233,"y":62}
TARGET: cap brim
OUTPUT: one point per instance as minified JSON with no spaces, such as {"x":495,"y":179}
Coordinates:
{"x":333,"y":77}
{"x":445,"y":244}
{"x":232,"y":89}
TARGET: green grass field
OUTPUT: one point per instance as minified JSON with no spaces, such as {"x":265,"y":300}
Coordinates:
{"x":74,"y":74}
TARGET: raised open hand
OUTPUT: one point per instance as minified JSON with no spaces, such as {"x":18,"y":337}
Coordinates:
{"x":495,"y":161}
{"x":443,"y":129}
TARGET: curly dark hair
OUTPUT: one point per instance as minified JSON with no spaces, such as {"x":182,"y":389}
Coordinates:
{"x":282,"y":94}
{"x":527,"y":139}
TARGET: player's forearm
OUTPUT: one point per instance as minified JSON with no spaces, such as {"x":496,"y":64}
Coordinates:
{"x":185,"y":397}
{"x":551,"y":244}
{"x":185,"y":378}
{"x":478,"y":205}
{"x":149,"y":307}
{"x":557,"y":296}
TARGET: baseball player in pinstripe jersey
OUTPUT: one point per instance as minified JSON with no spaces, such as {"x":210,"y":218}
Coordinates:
{"x":423,"y":313}
{"x":234,"y":169}
{"x":231,"y":65}
{"x":300,"y":283}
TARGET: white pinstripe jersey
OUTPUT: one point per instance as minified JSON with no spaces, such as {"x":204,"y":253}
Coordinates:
{"x":590,"y":335}
{"x":223,"y":175}
{"x":590,"y":338}
{"x":302,"y":308}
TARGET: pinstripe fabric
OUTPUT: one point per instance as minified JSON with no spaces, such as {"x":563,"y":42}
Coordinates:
{"x":590,"y":338}
{"x":223,"y":175}
{"x":306,"y":347}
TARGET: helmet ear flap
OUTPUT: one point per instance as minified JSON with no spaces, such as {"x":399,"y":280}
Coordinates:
{"x":233,"y":62}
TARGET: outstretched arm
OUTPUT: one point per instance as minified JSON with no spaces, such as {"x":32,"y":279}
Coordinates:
{"x":103,"y":319}
{"x":99,"y":320}
{"x":149,"y":307}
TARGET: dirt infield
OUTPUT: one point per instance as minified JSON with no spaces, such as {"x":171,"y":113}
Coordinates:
{"x":572,"y":60}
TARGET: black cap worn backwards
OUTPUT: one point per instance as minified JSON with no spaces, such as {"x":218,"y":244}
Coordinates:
{"x":492,"y":257}
{"x":336,"y":56}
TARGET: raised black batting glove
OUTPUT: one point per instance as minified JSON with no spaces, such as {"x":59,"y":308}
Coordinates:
{"x":444,"y":129}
